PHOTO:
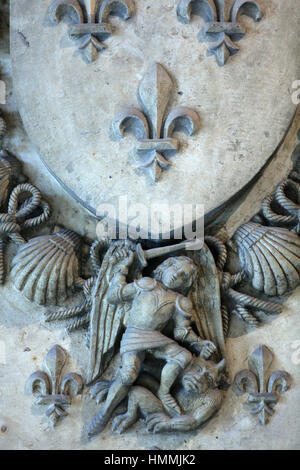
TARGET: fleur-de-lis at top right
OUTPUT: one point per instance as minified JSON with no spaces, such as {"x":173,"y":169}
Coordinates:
{"x":220,"y":33}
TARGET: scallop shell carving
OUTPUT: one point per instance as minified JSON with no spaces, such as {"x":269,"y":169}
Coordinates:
{"x":9,"y":168}
{"x":46,"y":267}
{"x":3,"y":128}
{"x":270,"y":256}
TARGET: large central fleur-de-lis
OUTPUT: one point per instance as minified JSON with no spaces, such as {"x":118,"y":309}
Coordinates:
{"x":221,"y":23}
{"x":151,"y":128}
{"x":263,"y":393}
{"x":50,"y":389}
{"x":90,"y":25}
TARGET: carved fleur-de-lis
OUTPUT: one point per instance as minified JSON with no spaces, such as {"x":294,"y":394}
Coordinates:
{"x":48,"y":387}
{"x":152,"y":129}
{"x":263,"y":392}
{"x":221,"y":27}
{"x":90,"y":25}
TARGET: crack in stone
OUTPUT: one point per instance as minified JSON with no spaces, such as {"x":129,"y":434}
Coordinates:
{"x":24,"y":39}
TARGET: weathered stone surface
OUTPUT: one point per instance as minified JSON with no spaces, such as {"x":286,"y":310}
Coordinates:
{"x":67,"y":106}
{"x":26,"y":342}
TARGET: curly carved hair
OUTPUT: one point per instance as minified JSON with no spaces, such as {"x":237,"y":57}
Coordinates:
{"x":176,"y":261}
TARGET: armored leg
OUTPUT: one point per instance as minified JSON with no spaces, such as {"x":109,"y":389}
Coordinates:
{"x":177,"y":358}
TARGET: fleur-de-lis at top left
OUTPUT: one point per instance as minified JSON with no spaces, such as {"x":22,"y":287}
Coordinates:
{"x":90,"y":27}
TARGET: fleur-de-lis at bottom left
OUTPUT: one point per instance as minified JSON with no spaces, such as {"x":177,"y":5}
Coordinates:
{"x":50,"y":390}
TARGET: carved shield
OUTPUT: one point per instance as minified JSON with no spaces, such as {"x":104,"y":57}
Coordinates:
{"x":204,"y":89}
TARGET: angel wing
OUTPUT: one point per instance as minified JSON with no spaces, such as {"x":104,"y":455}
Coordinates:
{"x":106,"y":320}
{"x":206,"y":298}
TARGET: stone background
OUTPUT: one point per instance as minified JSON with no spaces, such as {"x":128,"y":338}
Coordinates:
{"x":68,"y":106}
{"x":27,"y":338}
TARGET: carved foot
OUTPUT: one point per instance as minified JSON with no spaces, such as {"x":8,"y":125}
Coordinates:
{"x":123,"y":422}
{"x":170,"y":404}
{"x":97,"y":425}
{"x":99,"y":391}
{"x":157,"y":422}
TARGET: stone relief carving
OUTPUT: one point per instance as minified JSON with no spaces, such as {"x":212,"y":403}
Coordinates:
{"x":180,"y":371}
{"x":26,"y":209}
{"x":221,"y":28}
{"x":219,"y":277}
{"x":281,"y":209}
{"x":197,"y":393}
{"x":151,"y":304}
{"x":235,"y":299}
{"x":263,"y":391}
{"x":52,"y":390}
{"x":189,"y":391}
{"x":79,"y":316}
{"x":90,"y":26}
{"x":197,"y":290}
{"x":143,"y":322}
{"x":2,"y":127}
{"x":10,"y":172}
{"x":270,"y":256}
{"x":151,"y":127}
{"x":46,"y":268}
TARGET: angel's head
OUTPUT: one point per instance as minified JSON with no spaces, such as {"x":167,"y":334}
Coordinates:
{"x":202,"y":375}
{"x":177,"y":273}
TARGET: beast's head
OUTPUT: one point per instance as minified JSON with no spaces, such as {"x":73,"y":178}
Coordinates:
{"x":177,"y":273}
{"x":202,"y":375}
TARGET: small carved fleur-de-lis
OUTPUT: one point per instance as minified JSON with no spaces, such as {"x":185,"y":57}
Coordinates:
{"x":263,"y":392}
{"x":90,"y":25}
{"x":48,"y":387}
{"x":218,"y":30}
{"x":150,"y":127}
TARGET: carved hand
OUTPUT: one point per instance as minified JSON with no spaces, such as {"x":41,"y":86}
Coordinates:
{"x":124,"y":257}
{"x":205,"y":348}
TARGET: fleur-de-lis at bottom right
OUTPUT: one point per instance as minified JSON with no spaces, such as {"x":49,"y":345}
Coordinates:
{"x":263,"y":392}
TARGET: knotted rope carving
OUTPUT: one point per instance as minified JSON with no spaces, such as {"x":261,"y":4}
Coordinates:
{"x":282,"y":209}
{"x":244,"y":305}
{"x":80,"y":313}
{"x":219,"y":251}
{"x":233,"y":301}
{"x":18,"y":218}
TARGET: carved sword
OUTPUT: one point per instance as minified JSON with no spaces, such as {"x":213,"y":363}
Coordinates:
{"x":145,"y":255}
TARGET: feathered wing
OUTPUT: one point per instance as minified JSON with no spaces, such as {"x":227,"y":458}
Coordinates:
{"x":106,"y":320}
{"x":207,"y":299}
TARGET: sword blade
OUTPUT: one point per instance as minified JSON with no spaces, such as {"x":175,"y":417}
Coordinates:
{"x":164,"y":250}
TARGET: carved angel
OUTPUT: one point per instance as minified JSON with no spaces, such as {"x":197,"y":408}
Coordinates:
{"x":146,"y":308}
